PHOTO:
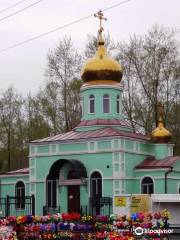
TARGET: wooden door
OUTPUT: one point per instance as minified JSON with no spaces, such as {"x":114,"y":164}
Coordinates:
{"x":73,"y":199}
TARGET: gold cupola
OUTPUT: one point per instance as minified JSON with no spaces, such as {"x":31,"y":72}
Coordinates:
{"x":101,"y":67}
{"x":160,"y":134}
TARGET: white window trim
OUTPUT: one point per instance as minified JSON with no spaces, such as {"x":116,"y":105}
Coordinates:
{"x":95,"y":147}
{"x":89,"y":105}
{"x":90,"y":173}
{"x":118,"y":100}
{"x":109,"y":104}
{"x":142,"y":180}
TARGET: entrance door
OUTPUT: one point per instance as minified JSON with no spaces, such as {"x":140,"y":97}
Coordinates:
{"x":73,"y":199}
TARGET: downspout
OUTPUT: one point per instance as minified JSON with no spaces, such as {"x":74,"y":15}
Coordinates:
{"x":165,"y":178}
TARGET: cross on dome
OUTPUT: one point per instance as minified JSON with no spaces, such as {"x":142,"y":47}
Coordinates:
{"x":101,"y":17}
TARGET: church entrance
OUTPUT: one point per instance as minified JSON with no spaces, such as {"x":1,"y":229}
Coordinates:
{"x":73,"y":199}
{"x":69,"y":174}
{"x":73,"y":193}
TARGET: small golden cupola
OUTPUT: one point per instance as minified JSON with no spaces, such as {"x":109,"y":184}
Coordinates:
{"x":101,"y":68}
{"x":160,"y":134}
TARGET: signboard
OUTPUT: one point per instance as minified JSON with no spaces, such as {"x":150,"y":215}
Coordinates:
{"x":120,"y":201}
{"x":140,"y":203}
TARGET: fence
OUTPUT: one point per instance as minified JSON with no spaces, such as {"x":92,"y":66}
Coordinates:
{"x":100,"y":206}
{"x":15,"y":206}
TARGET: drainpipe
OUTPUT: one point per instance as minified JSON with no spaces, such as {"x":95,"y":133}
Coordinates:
{"x":165,"y":178}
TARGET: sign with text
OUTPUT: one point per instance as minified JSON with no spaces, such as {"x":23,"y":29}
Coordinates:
{"x":140,"y":203}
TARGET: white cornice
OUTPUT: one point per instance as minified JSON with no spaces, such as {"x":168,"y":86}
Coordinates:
{"x":14,"y":175}
{"x":100,"y":86}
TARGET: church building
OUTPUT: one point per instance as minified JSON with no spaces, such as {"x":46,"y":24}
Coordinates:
{"x":102,"y":158}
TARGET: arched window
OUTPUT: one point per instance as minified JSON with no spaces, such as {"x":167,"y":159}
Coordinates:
{"x":96,"y":184}
{"x":96,"y":192}
{"x":106,"y":103}
{"x":118,"y":104}
{"x":147,"y":186}
{"x":91,"y":104}
{"x":20,"y":195}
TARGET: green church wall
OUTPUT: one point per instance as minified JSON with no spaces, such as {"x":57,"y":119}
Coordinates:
{"x":129,"y":145}
{"x":43,"y":165}
{"x":107,"y":188}
{"x":92,"y":128}
{"x":40,"y":198}
{"x":147,"y":172}
{"x":104,"y":160}
{"x":8,"y":185}
{"x":104,"y":145}
{"x":132,"y":186}
{"x":43,"y":149}
{"x":98,"y":94}
{"x":177,"y":165}
{"x":161,"y":151}
{"x":132,"y":160}
{"x":84,"y":190}
{"x":72,"y":147}
{"x":147,"y":148}
{"x":172,"y":186}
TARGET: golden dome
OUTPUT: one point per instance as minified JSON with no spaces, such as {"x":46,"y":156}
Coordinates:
{"x":101,"y":67}
{"x":160,"y":134}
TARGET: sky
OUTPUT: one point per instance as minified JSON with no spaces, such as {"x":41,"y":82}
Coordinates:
{"x":24,"y":67}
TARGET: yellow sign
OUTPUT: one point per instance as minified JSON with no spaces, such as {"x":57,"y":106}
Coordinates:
{"x":140,"y":203}
{"x":120,"y":201}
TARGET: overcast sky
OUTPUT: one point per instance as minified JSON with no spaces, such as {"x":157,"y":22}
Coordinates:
{"x":24,"y":67}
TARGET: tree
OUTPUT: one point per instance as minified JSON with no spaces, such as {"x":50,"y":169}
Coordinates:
{"x":36,"y":126}
{"x":12,"y":145}
{"x":64,"y":64}
{"x":150,"y":66}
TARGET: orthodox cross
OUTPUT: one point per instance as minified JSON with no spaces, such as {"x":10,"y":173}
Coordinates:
{"x":101,"y":17}
{"x":160,"y":109}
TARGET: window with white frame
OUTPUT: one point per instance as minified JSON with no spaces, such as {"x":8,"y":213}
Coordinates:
{"x":147,"y":186}
{"x":20,"y":195}
{"x":91,"y":104}
{"x":118,"y":164}
{"x":92,"y":146}
{"x":106,"y":103}
{"x":118,"y":104}
{"x":96,"y":184}
{"x":119,"y":187}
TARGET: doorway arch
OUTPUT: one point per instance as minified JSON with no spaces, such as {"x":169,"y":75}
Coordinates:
{"x":75,"y":170}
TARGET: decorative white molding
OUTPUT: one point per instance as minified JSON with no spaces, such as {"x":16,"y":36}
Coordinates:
{"x":59,"y":153}
{"x":15,"y":175}
{"x":100,"y":86}
{"x":165,"y":197}
{"x":151,"y":170}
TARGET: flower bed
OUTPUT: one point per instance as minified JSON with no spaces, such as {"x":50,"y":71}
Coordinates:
{"x":73,"y":226}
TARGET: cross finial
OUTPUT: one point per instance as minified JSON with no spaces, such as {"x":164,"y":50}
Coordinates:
{"x":160,"y":109}
{"x":101,"y":17}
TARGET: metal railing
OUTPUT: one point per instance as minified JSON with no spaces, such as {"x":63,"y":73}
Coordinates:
{"x":15,"y":206}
